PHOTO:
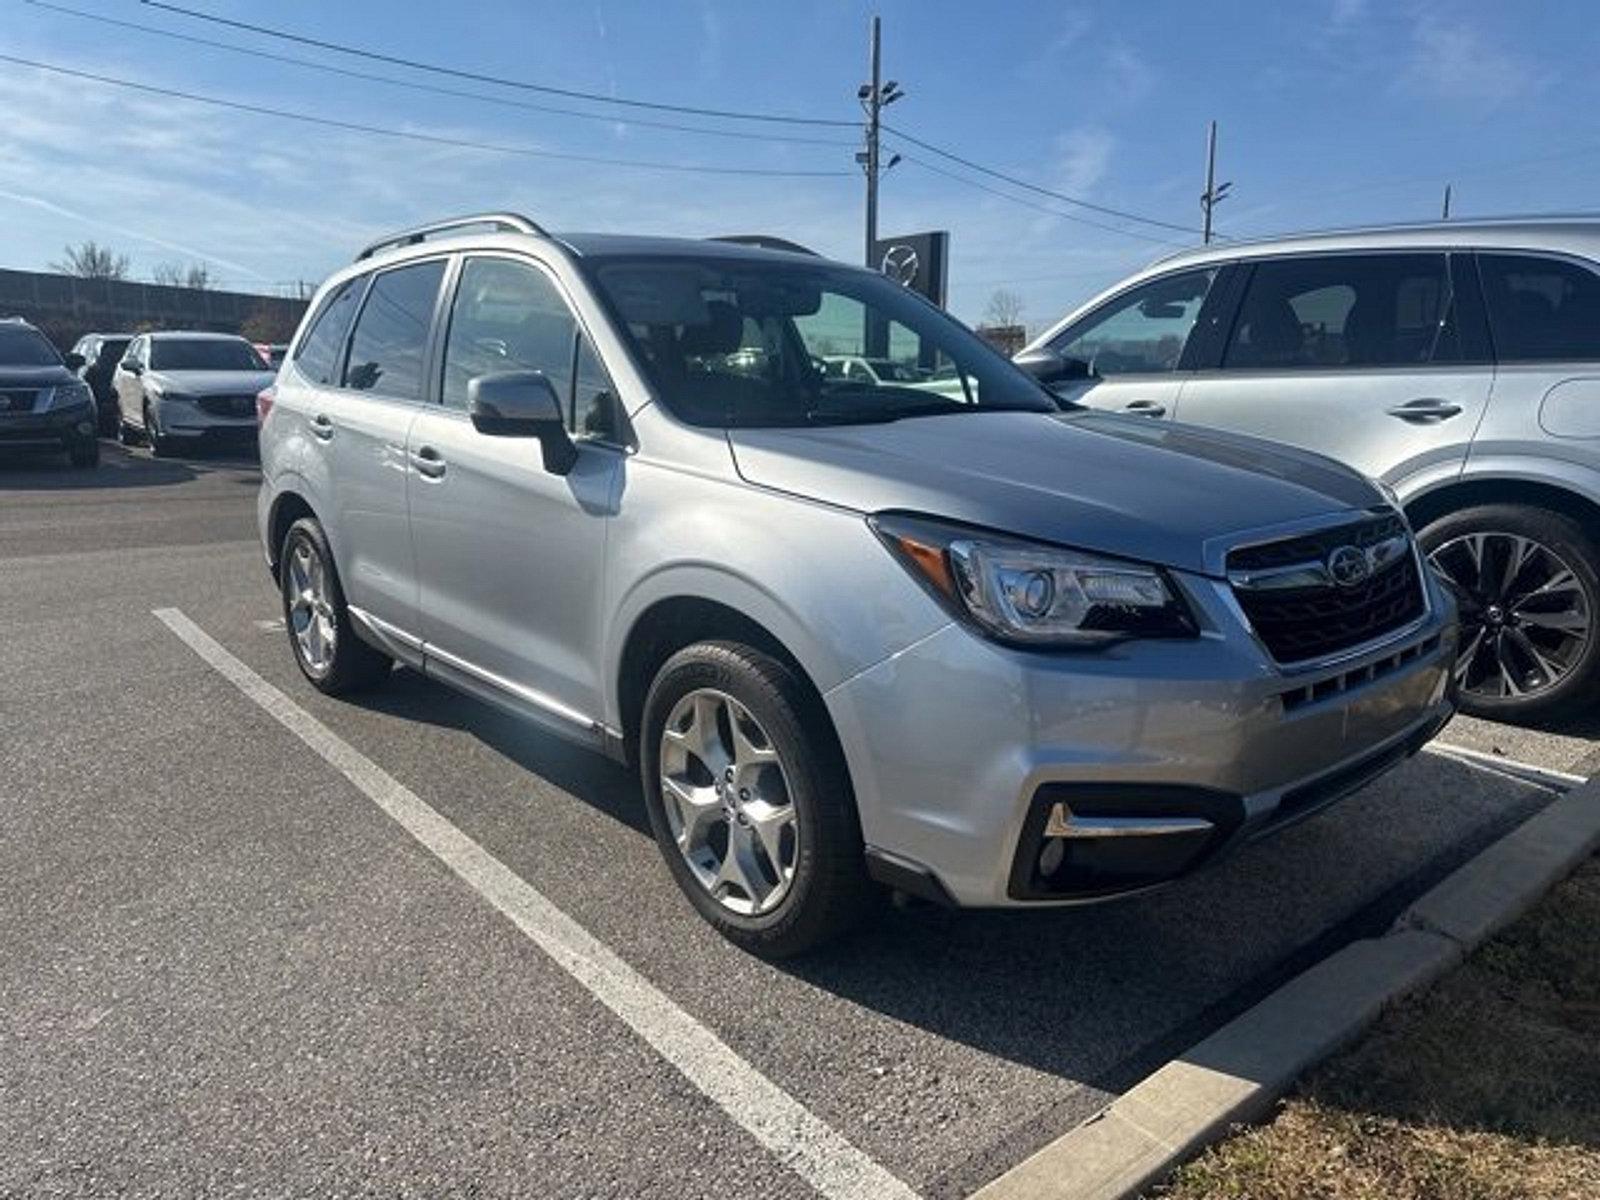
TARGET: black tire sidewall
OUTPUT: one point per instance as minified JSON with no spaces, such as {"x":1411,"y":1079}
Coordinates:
{"x":1567,"y":539}
{"x":819,"y":789}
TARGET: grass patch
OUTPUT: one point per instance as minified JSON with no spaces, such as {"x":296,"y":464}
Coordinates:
{"x":1485,"y":1088}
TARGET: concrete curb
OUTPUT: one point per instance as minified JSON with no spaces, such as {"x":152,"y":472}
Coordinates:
{"x":1239,"y":1072}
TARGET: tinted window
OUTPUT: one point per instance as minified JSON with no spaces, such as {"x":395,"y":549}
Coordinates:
{"x":507,"y":316}
{"x":111,"y":351}
{"x":24,"y":347}
{"x":1346,"y":310}
{"x":1142,"y":331}
{"x":318,"y":356}
{"x":1541,"y":308}
{"x":391,"y":334}
{"x":203,"y":354}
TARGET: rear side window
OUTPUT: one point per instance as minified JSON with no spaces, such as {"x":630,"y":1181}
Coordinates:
{"x":391,"y":334}
{"x":318,"y":356}
{"x":1541,"y":308}
{"x":1346,"y":310}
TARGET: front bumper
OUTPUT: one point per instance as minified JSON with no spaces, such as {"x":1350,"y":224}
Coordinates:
{"x":187,"y":420}
{"x":53,"y":427}
{"x":962,"y":751}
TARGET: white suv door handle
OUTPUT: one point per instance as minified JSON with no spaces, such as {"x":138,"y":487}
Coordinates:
{"x":428,"y":462}
{"x":1425,"y":411}
{"x":1146,"y":408}
{"x":322,"y":426}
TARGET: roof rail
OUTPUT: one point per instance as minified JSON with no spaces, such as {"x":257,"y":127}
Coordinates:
{"x":766,"y":242}
{"x":504,"y":222}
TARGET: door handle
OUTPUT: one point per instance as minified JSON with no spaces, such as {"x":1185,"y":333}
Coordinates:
{"x":428,"y":462}
{"x":1145,"y":408}
{"x":1425,"y":411}
{"x":322,"y":426}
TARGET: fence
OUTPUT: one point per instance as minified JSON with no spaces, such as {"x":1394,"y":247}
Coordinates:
{"x":66,"y":307}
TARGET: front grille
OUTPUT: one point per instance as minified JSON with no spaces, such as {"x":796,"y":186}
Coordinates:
{"x":17,"y":400}
{"x":228,"y":406}
{"x":1307,"y":622}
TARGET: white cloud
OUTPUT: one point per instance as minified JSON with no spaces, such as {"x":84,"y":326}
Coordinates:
{"x":1346,"y":12}
{"x":1454,"y":61}
{"x":1084,"y":156}
{"x":1130,"y":77}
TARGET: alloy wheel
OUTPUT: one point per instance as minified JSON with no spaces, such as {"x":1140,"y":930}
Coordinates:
{"x":727,"y":802}
{"x":1525,"y":615}
{"x":311,"y":620}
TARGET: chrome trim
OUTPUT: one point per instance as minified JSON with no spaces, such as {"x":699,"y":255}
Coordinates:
{"x":380,"y":628}
{"x":500,"y":683}
{"x":1064,"y":823}
{"x":1215,"y":550}
{"x":1316,"y":573}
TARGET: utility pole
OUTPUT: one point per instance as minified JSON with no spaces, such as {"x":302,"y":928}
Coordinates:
{"x":1215,"y":193}
{"x":875,"y":96}
{"x":1446,"y":214}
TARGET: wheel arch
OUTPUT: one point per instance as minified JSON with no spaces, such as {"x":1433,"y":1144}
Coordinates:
{"x":287,"y":508}
{"x":1423,"y":510}
{"x":669,"y":624}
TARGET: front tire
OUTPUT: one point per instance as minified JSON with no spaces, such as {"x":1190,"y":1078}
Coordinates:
{"x":325,"y":646}
{"x":750,"y":800}
{"x":84,"y":454}
{"x":1528,"y":584}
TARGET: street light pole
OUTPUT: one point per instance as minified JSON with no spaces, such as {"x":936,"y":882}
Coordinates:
{"x":874,"y":105}
{"x":1215,"y":192}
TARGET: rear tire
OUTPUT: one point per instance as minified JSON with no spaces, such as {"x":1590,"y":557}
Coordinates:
{"x":317,"y":619}
{"x":127,"y":435}
{"x":1530,"y":643}
{"x":790,"y":874}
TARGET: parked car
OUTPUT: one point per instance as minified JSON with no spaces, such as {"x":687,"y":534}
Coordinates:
{"x":100,"y":353}
{"x":976,"y":649}
{"x":272,"y":353}
{"x":872,"y":371}
{"x":1459,"y":363}
{"x":177,"y":389}
{"x":42,"y":403}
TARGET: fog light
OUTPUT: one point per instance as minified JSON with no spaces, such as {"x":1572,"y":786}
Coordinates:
{"x":85,"y":427}
{"x":1055,"y":849}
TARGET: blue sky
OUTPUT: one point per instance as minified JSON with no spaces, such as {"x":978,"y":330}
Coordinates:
{"x":1331,"y":111}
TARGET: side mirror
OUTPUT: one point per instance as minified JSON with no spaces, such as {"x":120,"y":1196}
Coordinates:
{"x":131,"y":367}
{"x":1049,"y":366}
{"x":522,"y":404}
{"x":74,"y":361}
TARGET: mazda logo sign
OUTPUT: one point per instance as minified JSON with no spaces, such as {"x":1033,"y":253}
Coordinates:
{"x":1349,"y":566}
{"x":901,"y":264}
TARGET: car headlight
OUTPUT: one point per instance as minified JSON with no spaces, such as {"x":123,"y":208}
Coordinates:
{"x":68,"y":395}
{"x":167,"y":394}
{"x":1031,"y":594}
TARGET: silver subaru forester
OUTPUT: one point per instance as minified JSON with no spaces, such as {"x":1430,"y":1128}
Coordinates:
{"x":959,"y":643}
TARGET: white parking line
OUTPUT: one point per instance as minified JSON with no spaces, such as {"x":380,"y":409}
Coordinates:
{"x":801,"y":1141}
{"x":1560,"y":781}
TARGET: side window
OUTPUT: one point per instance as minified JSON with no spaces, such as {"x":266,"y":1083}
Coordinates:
{"x":508,"y":316}
{"x":318,"y":356}
{"x":391,"y":334}
{"x":1143,"y":331}
{"x":1346,"y":310}
{"x":1541,"y":308}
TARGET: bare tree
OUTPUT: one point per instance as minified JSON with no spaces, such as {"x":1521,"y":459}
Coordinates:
{"x":90,"y":260}
{"x":1005,"y":309}
{"x":195,"y":275}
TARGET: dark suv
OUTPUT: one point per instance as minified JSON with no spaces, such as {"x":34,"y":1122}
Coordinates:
{"x":42,"y":403}
{"x":101,"y":352}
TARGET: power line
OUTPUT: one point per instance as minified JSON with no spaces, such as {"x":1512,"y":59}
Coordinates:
{"x":1054,"y":212}
{"x":413,"y":85}
{"x":479,"y":77}
{"x":1023,"y":183}
{"x":430,"y":138}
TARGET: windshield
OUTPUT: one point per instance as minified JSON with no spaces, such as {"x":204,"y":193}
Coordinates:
{"x":24,"y":347}
{"x":204,"y":354}
{"x":745,"y":343}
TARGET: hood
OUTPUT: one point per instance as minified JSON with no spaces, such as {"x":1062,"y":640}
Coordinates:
{"x":212,"y":383}
{"x":35,"y":377}
{"x":1163,"y":493}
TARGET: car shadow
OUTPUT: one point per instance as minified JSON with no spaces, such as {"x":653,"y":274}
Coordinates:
{"x":1099,"y":994}
{"x":28,"y":469}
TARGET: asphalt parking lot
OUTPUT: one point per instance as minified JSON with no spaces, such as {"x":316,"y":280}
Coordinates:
{"x":225,"y":968}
